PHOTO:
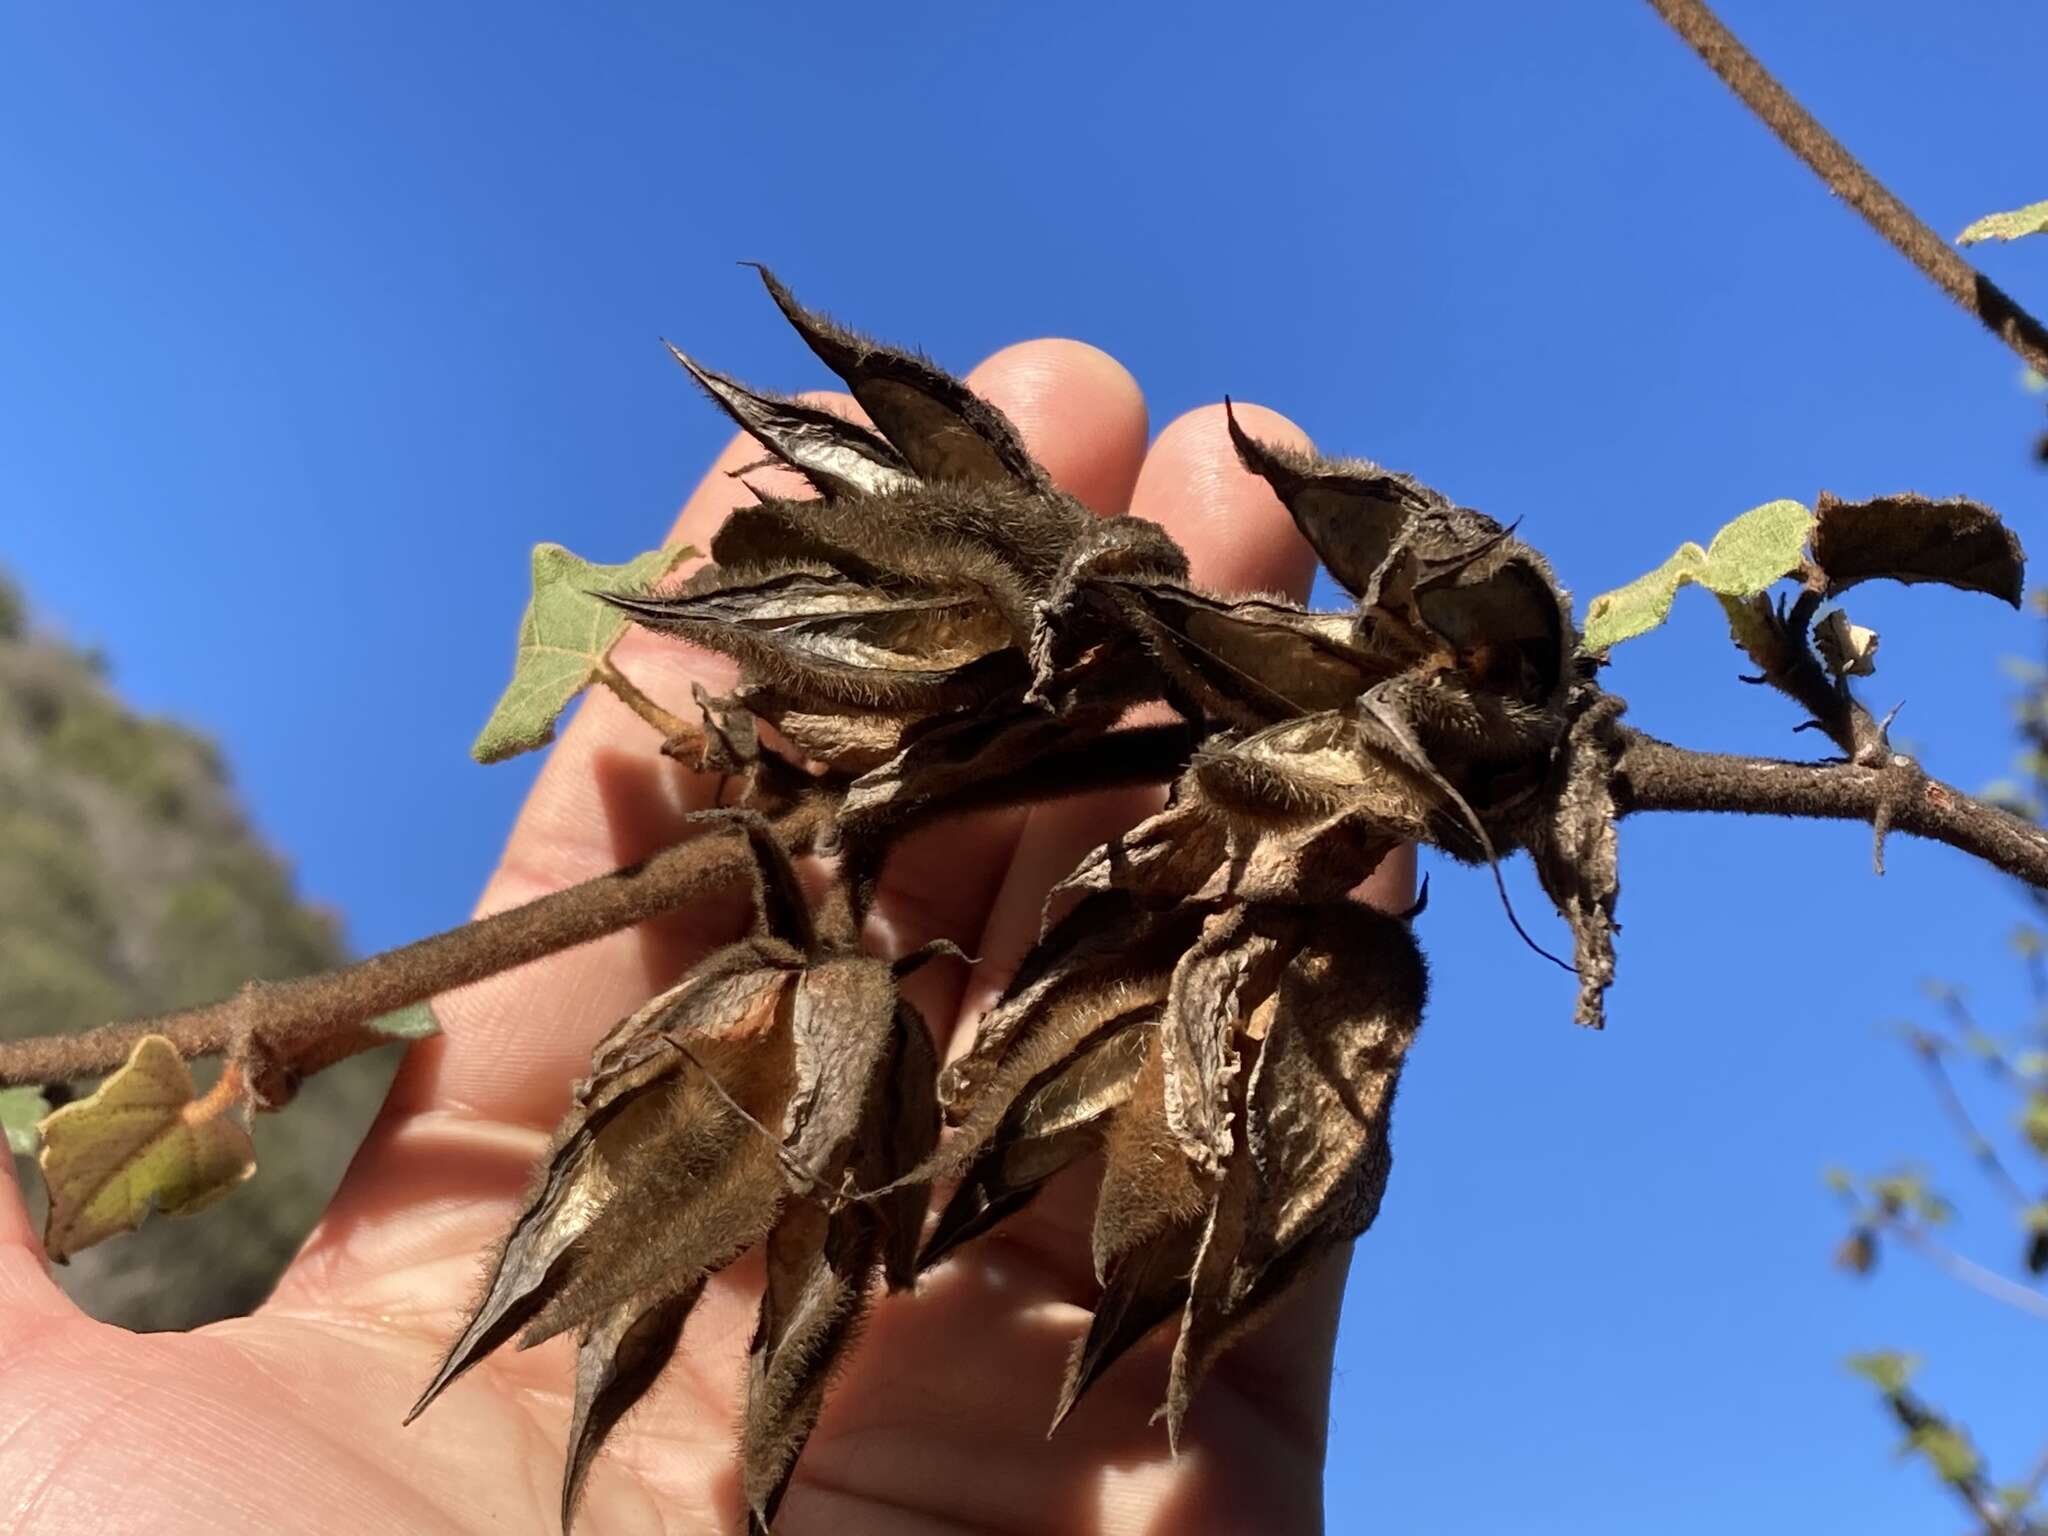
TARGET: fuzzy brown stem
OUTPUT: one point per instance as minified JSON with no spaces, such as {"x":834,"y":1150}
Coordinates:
{"x":629,"y":694}
{"x":1657,"y":776}
{"x":1696,"y":22}
{"x":313,"y":1022}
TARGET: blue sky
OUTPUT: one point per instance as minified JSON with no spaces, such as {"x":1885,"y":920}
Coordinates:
{"x":319,"y":316}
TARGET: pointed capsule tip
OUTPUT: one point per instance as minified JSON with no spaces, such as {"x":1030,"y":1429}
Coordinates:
{"x":1068,"y":1398}
{"x":426,"y":1401}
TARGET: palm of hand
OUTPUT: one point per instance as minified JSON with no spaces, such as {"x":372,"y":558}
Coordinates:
{"x":289,"y":1420}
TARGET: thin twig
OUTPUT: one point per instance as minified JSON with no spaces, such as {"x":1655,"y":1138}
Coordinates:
{"x":1931,"y":1054}
{"x":1987,"y":1282}
{"x":1657,"y":776}
{"x":2035,"y":1477}
{"x":1975,"y":1495}
{"x":1696,"y":22}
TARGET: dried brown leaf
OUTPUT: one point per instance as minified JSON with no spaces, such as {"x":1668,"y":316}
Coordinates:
{"x":1914,"y":538}
{"x":1572,"y":840}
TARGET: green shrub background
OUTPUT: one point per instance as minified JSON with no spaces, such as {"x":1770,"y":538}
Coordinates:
{"x":132,"y":884}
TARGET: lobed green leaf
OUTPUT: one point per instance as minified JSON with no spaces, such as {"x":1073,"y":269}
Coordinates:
{"x":564,"y":637}
{"x":1756,"y":549}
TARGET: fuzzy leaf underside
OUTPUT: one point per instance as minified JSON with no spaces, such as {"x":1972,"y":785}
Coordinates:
{"x":415,"y":1021}
{"x":141,"y":1142}
{"x":2013,"y":224}
{"x":1907,"y":538}
{"x":566,"y":632}
{"x":1746,"y":556}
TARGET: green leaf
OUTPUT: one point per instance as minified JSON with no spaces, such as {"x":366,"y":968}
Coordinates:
{"x":1953,"y":1458}
{"x":1756,"y":549}
{"x":563,"y":637}
{"x":1886,"y":1369}
{"x":413,"y":1022}
{"x":2011,"y":225}
{"x":1760,"y":546}
{"x":2035,"y":1217}
{"x":1909,"y":1192}
{"x":20,"y":1109}
{"x":1643,"y":604}
{"x":142,"y":1142}
{"x":1840,"y":1180}
{"x":2034,"y":1123}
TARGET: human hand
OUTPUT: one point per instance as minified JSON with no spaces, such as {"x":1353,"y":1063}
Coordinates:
{"x":289,"y":1420}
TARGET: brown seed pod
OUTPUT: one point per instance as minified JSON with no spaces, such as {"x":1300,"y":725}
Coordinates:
{"x":1239,"y":1090}
{"x":941,"y":628}
{"x":738,"y":1108}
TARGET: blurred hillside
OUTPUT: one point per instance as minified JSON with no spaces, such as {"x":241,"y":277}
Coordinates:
{"x":131,"y":884}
